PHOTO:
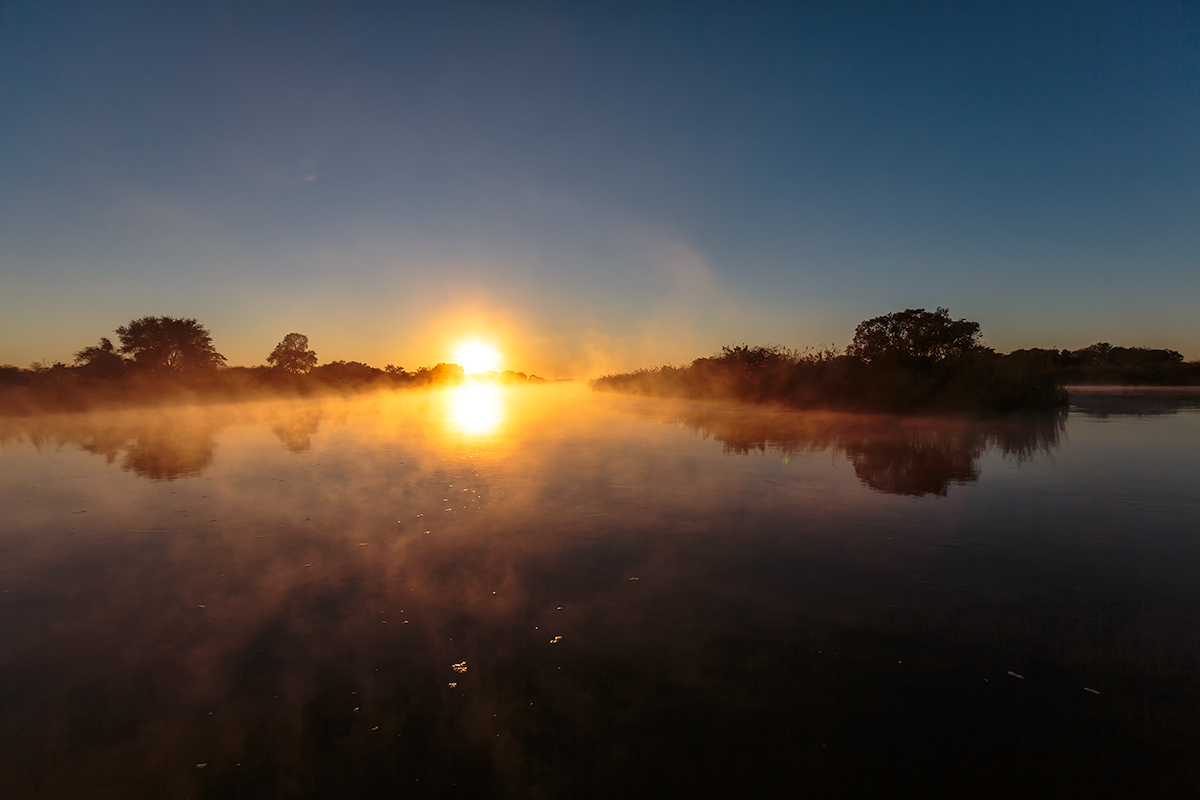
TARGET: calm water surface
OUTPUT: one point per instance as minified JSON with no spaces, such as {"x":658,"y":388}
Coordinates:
{"x":541,"y":592}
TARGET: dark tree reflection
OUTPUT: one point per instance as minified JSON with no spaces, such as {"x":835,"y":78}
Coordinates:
{"x":296,"y":431}
{"x":161,"y":454}
{"x":900,"y":455}
{"x":161,"y":446}
{"x":912,"y":467}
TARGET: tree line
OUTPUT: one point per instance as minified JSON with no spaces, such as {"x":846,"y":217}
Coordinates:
{"x":156,"y":358}
{"x":911,"y":360}
{"x":904,"y":361}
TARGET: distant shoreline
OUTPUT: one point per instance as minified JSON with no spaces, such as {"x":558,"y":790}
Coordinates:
{"x":1097,"y":388}
{"x":147,"y":393}
{"x":911,"y":361}
{"x":65,"y":391}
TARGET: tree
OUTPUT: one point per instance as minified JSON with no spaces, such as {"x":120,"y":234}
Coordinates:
{"x":756,"y":358}
{"x":292,"y":355}
{"x":347,"y":373}
{"x":167,"y":344}
{"x":441,"y":373}
{"x":100,"y":360}
{"x":914,"y":334}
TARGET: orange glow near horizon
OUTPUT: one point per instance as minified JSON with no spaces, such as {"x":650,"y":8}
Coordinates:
{"x":476,"y":356}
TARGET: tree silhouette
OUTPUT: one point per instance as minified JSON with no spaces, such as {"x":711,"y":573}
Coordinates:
{"x":914,"y":334}
{"x":100,"y":360}
{"x":292,"y":355}
{"x":167,"y":344}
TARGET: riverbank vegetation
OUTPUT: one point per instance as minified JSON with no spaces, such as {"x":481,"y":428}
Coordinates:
{"x":170,"y":360}
{"x":908,"y":361}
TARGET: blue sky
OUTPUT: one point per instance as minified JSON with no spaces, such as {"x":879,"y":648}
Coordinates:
{"x":597,"y":186}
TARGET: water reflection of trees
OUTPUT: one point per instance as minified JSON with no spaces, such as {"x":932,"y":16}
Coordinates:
{"x":296,"y":430}
{"x":158,"y":452}
{"x":161,"y":444}
{"x":898,"y":455}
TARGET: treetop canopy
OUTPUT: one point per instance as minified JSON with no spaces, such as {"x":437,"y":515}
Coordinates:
{"x":914,"y":334}
{"x":168,"y":344}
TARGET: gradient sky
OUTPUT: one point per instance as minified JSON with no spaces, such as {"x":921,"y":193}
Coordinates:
{"x":596,"y":186}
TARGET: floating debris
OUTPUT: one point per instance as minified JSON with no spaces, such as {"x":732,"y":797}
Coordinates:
{"x":199,"y":606}
{"x":201,"y":766}
{"x":1015,"y":675}
{"x":375,"y":728}
{"x":452,"y":684}
{"x":635,"y":579}
{"x":459,"y":667}
{"x":362,"y":544}
{"x":1093,"y":691}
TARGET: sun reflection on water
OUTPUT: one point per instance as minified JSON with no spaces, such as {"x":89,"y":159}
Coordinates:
{"x":476,"y":408}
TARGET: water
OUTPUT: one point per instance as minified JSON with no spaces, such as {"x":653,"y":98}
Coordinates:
{"x":539,"y":591}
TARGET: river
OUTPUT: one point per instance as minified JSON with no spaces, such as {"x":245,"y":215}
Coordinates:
{"x":540,"y":591}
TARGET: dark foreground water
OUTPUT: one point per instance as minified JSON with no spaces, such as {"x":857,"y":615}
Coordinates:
{"x":541,"y":592}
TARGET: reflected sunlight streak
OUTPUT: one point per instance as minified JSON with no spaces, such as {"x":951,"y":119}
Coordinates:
{"x":475,"y":408}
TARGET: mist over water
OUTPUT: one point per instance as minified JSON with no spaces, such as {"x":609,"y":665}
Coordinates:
{"x":541,"y":591}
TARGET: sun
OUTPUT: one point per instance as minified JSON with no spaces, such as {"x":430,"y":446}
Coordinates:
{"x":475,"y":356}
